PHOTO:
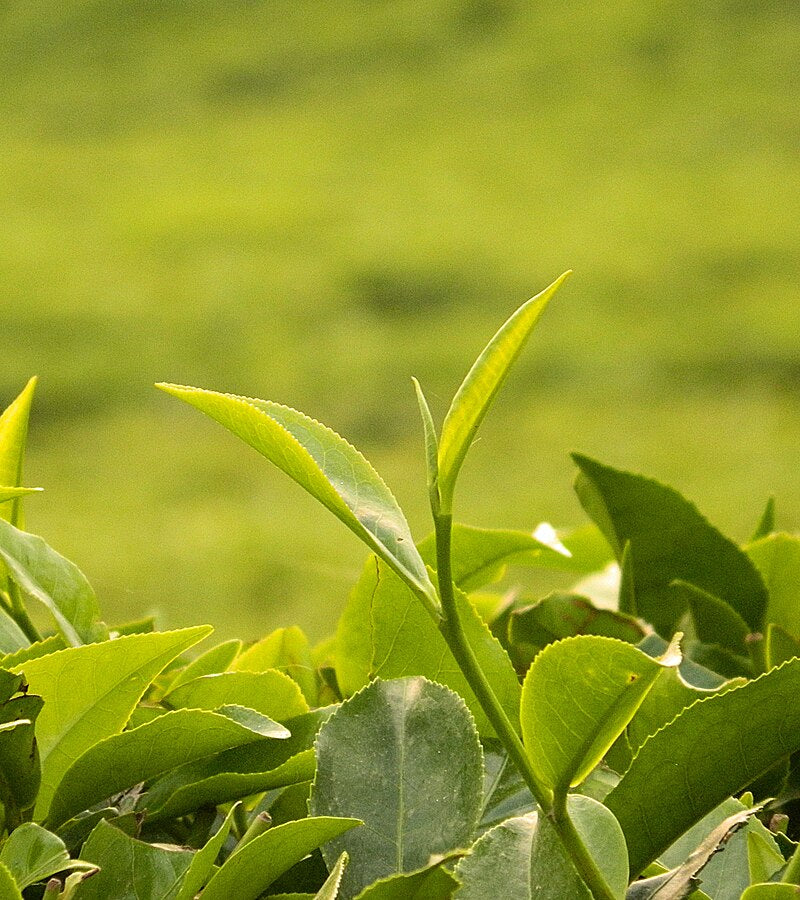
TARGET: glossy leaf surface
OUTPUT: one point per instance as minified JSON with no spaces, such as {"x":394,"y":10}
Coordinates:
{"x":250,"y":871}
{"x":578,"y":696}
{"x":89,"y":693}
{"x":123,"y":760}
{"x":385,"y":757}
{"x":326,"y":466}
{"x":285,"y":649}
{"x":13,"y":438}
{"x":711,"y":751}
{"x":777,"y":557}
{"x":31,"y":854}
{"x":271,"y":693}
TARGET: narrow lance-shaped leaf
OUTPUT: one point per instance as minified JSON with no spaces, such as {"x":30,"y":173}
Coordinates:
{"x":483,"y":381}
{"x":577,"y":698}
{"x":326,"y":466}
{"x":13,"y":437}
{"x":711,"y":751}
{"x":431,"y":447}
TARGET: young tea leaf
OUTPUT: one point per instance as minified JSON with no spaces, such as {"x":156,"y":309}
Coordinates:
{"x":777,"y":558}
{"x":577,"y":698}
{"x":483,"y":381}
{"x":326,"y":466}
{"x":385,"y":757}
{"x":13,"y":437}
{"x":201,"y":867}
{"x":285,"y":649}
{"x":271,"y":693}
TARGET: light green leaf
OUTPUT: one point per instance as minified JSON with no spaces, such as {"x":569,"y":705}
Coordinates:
{"x":13,"y":437}
{"x":202,"y":865}
{"x":54,"y":581}
{"x":330,"y":890}
{"x":577,"y":698}
{"x":405,"y":641}
{"x":238,"y":772}
{"x":483,"y":381}
{"x":669,"y":540}
{"x":9,"y":889}
{"x":271,"y":693}
{"x":431,"y":447}
{"x":432,"y":882}
{"x":33,"y":651}
{"x":285,"y":649}
{"x":326,"y":466}
{"x":90,"y":692}
{"x":131,"y":869}
{"x":212,"y":662}
{"x":385,"y":757}
{"x":764,"y":858}
{"x":711,"y":751}
{"x":123,"y":760}
{"x":777,"y":558}
{"x":775,"y":891}
{"x":248,"y":873}
{"x":31,"y":854}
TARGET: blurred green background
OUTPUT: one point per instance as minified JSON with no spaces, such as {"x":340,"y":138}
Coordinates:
{"x":311,"y":202}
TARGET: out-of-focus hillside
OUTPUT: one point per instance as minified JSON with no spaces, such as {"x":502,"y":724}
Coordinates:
{"x":311,"y":202}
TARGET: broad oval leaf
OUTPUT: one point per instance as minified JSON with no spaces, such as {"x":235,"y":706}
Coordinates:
{"x":669,"y":540}
{"x":501,"y":856}
{"x":247,"y":873}
{"x":130,"y":868}
{"x":711,"y":751}
{"x":385,"y":757}
{"x":141,"y":754}
{"x":326,"y":466}
{"x":577,"y":698}
{"x":89,"y":693}
{"x":46,"y":576}
{"x":483,"y":381}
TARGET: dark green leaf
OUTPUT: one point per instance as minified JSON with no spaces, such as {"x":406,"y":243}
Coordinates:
{"x":712,"y":750}
{"x":248,"y":873}
{"x":502,"y":856}
{"x":385,"y":757}
{"x":505,"y":793}
{"x":766,"y":524}
{"x":20,"y":768}
{"x":669,"y":540}
{"x":202,"y":865}
{"x":715,"y":622}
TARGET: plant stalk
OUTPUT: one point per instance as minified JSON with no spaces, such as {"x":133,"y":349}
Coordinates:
{"x":553,"y":807}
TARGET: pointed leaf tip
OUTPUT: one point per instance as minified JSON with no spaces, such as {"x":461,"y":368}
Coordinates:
{"x":483,"y":381}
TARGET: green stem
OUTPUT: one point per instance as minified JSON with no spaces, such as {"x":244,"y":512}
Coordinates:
{"x":20,"y":614}
{"x":553,"y":807}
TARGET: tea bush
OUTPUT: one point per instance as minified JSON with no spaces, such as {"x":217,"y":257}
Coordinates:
{"x":634,"y":737}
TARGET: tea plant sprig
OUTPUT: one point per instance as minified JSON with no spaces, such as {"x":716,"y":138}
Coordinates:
{"x":339,"y":477}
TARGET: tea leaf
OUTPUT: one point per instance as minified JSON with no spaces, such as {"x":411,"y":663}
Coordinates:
{"x":766,"y":524}
{"x":250,"y":871}
{"x":12,"y":637}
{"x":13,"y":437}
{"x":502,"y":856}
{"x":712,"y":750}
{"x":202,"y":865}
{"x":90,"y":691}
{"x":212,"y":662}
{"x":20,"y":768}
{"x":326,"y":466}
{"x":385,"y":757}
{"x":330,"y":890}
{"x":33,"y":651}
{"x":31,"y":854}
{"x":285,"y":649}
{"x":9,"y":890}
{"x":483,"y":381}
{"x":432,"y":882}
{"x":130,"y":868}
{"x":714,"y":620}
{"x":577,"y":698}
{"x":54,"y":581}
{"x":669,"y":540}
{"x":777,"y":558}
{"x":141,"y":754}
{"x":271,"y":693}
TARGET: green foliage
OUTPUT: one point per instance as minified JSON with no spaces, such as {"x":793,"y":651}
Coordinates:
{"x":447,"y":743}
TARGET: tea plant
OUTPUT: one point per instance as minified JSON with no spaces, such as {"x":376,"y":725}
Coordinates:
{"x":449,"y":740}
